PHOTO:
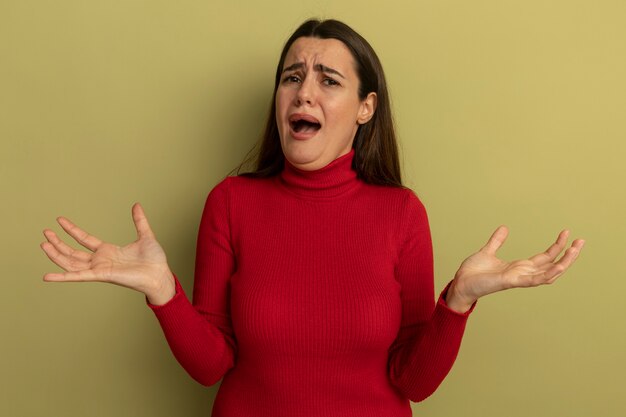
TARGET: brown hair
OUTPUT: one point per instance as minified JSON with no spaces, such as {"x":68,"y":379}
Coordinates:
{"x":376,"y":150}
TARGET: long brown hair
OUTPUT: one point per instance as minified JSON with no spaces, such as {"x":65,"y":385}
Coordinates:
{"x":376,"y":150}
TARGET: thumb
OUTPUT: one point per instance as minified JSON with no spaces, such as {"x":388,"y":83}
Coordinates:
{"x":496,"y":240}
{"x":141,"y":222}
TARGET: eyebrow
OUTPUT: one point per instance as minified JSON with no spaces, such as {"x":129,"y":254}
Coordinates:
{"x":318,"y":67}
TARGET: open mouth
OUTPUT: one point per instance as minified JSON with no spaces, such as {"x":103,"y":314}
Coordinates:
{"x":304,"y":123}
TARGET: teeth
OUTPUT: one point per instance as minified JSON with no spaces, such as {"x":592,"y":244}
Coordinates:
{"x":303,"y":118}
{"x":304,"y":125}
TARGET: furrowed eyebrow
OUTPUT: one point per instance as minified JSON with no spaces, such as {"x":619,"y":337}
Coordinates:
{"x":318,"y":67}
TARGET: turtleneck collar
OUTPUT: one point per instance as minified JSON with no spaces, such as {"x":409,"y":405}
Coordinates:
{"x":334,"y":179}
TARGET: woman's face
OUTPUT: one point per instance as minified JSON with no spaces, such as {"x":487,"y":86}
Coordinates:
{"x":318,"y":109}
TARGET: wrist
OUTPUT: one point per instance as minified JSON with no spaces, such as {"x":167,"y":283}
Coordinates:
{"x":164,"y":289}
{"x":456,"y":300}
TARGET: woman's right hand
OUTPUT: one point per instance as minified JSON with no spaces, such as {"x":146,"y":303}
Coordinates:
{"x":140,"y":265}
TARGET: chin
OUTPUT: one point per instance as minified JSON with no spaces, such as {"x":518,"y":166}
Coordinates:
{"x":302,"y":153}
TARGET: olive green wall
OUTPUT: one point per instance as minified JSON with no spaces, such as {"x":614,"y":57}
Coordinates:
{"x":509,"y":112}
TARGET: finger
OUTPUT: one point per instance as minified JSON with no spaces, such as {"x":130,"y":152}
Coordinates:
{"x":141,"y":222}
{"x":66,"y":250}
{"x":496,"y":240}
{"x":82,"y":237}
{"x":78,"y":276}
{"x":565,"y":262}
{"x":69,"y":264}
{"x":547,"y":274}
{"x":553,"y":251}
{"x":570,"y":255}
{"x":553,"y":271}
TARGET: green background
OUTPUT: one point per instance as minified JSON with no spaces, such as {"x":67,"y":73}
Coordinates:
{"x":508,"y":112}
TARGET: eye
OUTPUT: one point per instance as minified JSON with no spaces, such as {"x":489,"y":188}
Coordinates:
{"x":291,"y":79}
{"x":329,"y":81}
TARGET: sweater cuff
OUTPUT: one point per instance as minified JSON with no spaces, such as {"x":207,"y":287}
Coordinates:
{"x":442,"y":303}
{"x":179,"y":293}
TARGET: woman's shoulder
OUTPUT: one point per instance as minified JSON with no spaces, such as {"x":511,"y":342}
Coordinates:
{"x":242,"y":182}
{"x":238,"y":184}
{"x":403,"y":195}
{"x":250,"y":188}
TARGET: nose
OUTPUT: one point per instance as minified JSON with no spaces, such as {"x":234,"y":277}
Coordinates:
{"x":306,"y":92}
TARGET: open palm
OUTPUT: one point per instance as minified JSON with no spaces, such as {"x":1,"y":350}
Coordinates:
{"x":140,"y":265}
{"x":483,"y":273}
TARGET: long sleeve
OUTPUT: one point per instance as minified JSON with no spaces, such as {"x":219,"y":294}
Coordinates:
{"x":430,"y":333}
{"x":200,"y":334}
{"x":313,"y":296}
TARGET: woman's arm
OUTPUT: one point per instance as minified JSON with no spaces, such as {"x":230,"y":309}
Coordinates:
{"x":430,"y":333}
{"x":200,"y":335}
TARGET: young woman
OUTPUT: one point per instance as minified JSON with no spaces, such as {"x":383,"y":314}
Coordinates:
{"x":314,"y":289}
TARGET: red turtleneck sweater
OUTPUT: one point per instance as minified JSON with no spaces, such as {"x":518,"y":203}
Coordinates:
{"x":313,"y":297}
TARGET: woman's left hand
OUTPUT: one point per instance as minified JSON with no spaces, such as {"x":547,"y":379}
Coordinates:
{"x":483,"y":273}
